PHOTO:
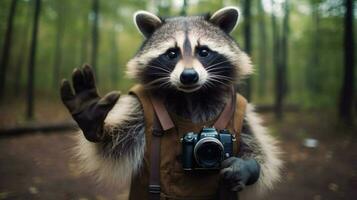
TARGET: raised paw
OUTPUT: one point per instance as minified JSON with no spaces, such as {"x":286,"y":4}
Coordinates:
{"x":88,"y":109}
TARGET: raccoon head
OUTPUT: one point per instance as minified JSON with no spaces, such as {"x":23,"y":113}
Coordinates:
{"x":189,"y":54}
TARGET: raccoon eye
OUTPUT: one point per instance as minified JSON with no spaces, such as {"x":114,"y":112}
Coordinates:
{"x":203,"y":52}
{"x":172,"y":54}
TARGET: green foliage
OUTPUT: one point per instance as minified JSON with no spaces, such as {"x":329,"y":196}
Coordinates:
{"x":310,"y":85}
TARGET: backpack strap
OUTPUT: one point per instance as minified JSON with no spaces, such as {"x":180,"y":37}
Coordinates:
{"x":162,"y":114}
{"x":241,"y":106}
{"x":154,"y":180}
{"x":162,"y":122}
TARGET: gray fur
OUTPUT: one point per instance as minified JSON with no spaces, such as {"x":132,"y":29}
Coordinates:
{"x":122,"y":153}
{"x":200,"y":28}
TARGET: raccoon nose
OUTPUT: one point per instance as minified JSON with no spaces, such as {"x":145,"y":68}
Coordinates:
{"x":189,"y":76}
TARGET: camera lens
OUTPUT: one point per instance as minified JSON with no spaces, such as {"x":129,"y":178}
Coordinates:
{"x":208,"y":152}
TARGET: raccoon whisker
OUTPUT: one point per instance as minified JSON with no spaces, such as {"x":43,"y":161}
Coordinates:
{"x":205,"y":86}
{"x":225,"y":82}
{"x":160,"y":63}
{"x":158,"y":73}
{"x":222,"y":77}
{"x":219,"y":81}
{"x":157,"y":80}
{"x":219,"y":63}
{"x":160,"y":68}
{"x":208,"y":84}
{"x":220,"y":69}
{"x":165,"y":84}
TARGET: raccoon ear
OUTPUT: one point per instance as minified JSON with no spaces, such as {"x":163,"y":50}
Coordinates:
{"x":226,"y":18}
{"x":146,"y":22}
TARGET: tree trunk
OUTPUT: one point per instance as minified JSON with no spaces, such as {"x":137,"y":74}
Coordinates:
{"x":22,"y":52}
{"x":7,"y":48}
{"x":84,"y":42}
{"x":31,"y":70}
{"x":346,"y":98}
{"x":262,"y":50}
{"x":247,"y":42}
{"x":183,"y":11}
{"x":58,"y":48}
{"x":311,"y":70}
{"x":284,"y":51}
{"x":276,"y":63}
{"x":165,"y":8}
{"x":114,"y":64}
{"x":95,"y":35}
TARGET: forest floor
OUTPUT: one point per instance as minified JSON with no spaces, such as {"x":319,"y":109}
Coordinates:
{"x":41,"y":166}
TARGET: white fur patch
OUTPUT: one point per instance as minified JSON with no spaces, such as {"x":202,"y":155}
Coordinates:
{"x":202,"y":72}
{"x":176,"y":73}
{"x":270,"y":161}
{"x":112,"y":169}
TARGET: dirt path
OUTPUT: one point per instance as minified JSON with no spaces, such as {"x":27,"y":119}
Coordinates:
{"x":39,"y":166}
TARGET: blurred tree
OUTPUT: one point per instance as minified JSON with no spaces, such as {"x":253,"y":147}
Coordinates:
{"x":313,"y":66}
{"x":346,"y":98}
{"x":183,"y":11}
{"x":285,"y":50}
{"x":247,"y":41}
{"x":164,"y":7}
{"x":60,"y":7}
{"x":277,"y":64}
{"x":22,"y":51}
{"x":31,"y":70}
{"x":262,"y":62}
{"x":95,"y":34}
{"x":114,"y":59}
{"x":7,"y":48}
{"x":84,"y":40}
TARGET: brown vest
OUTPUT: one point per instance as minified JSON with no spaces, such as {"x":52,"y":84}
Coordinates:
{"x":175,"y":182}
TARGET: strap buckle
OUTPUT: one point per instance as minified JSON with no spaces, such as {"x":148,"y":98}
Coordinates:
{"x":154,"y":189}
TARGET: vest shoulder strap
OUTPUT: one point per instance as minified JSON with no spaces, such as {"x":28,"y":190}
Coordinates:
{"x":144,"y":98}
{"x":153,"y":117}
{"x":241,"y":106}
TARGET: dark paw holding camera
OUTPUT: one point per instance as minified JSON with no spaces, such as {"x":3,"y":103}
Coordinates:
{"x":236,"y":173}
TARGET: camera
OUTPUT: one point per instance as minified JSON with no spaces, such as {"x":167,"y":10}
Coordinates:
{"x":207,"y":149}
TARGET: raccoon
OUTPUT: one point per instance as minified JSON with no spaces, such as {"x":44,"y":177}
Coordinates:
{"x":190,"y":63}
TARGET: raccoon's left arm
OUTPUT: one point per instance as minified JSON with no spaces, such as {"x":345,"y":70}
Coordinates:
{"x":256,"y":143}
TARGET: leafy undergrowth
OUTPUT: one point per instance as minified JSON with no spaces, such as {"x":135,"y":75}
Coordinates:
{"x":40,"y":166}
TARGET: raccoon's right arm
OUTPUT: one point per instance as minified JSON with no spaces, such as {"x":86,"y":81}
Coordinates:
{"x":112,"y":140}
{"x":114,"y":159}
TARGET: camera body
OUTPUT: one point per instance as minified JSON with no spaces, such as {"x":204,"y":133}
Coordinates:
{"x":207,"y":149}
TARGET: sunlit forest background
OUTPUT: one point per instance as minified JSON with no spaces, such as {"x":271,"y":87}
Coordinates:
{"x":304,"y":56}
